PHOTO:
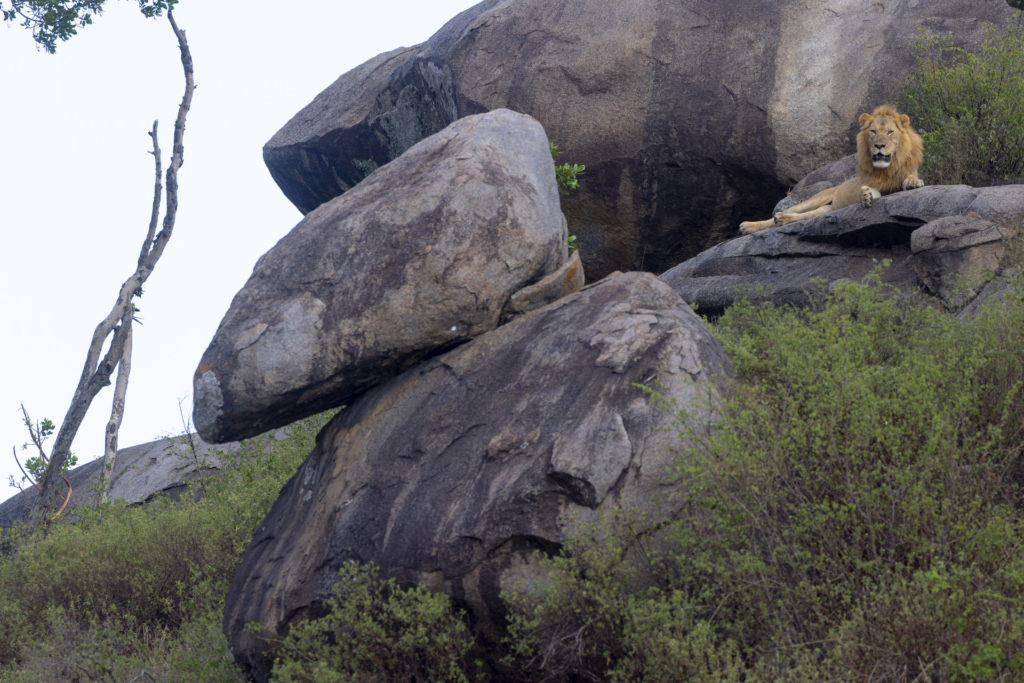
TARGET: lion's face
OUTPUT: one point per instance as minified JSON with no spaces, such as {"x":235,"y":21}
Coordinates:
{"x":883,"y":139}
{"x":889,"y":150}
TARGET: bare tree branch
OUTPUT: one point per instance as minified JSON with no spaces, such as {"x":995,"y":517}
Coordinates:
{"x":124,"y":368}
{"x":96,"y":373}
{"x":30,"y":479}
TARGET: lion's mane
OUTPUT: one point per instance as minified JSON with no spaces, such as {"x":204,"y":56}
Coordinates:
{"x":906,"y":160}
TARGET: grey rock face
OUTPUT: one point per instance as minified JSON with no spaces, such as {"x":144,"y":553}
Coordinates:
{"x":690,"y":117}
{"x":849,"y":243}
{"x":956,"y":256}
{"x":422,"y":255}
{"x":453,"y":473}
{"x":141,"y":472}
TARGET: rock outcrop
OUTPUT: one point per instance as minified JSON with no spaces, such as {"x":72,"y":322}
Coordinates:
{"x":946,"y":239}
{"x":688,"y":116}
{"x":141,"y":472}
{"x":424,"y":254}
{"x":453,"y":473}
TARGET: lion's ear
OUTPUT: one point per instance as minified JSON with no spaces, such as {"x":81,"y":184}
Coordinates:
{"x":904,"y":121}
{"x":865,"y":119}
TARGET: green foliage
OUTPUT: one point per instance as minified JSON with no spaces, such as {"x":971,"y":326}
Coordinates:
{"x":856,"y":514}
{"x":605,"y":613}
{"x":35,"y":467}
{"x":970,"y":107}
{"x":141,"y":587}
{"x":53,"y":20}
{"x":566,"y":174}
{"x":375,"y":631}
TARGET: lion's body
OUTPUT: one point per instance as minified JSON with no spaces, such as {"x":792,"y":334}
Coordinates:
{"x":889,"y":152}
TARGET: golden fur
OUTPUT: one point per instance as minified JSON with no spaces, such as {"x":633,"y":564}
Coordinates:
{"x":889,"y":152}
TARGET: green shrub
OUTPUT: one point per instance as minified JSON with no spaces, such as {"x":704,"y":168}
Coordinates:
{"x":130,"y":584}
{"x":856,"y":513}
{"x":375,"y":631}
{"x":606,"y":612}
{"x":970,"y":107}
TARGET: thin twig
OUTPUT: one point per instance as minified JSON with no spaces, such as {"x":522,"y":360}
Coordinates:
{"x":30,"y":479}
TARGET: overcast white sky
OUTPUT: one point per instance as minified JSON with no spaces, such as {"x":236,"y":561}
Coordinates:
{"x":76,"y":186}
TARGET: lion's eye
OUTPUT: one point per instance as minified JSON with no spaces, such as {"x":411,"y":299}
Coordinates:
{"x":874,"y":132}
{"x":889,"y":133}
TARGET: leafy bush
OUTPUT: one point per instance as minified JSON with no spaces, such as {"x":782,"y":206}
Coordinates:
{"x":376,"y":631}
{"x":970,"y":107}
{"x":855,"y":515}
{"x":567,"y":177}
{"x":141,"y":587}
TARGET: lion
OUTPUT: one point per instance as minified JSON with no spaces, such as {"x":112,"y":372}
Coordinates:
{"x":888,"y":154}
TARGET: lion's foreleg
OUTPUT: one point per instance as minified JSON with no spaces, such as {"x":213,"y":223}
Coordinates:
{"x":868,"y":195}
{"x":912,"y":182}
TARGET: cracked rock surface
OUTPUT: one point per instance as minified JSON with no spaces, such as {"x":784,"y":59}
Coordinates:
{"x":453,"y":473}
{"x":422,"y":255}
{"x":946,"y":240}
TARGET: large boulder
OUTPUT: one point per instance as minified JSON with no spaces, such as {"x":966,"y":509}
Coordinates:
{"x":424,"y":254}
{"x":690,"y":117}
{"x":165,"y":466}
{"x":946,"y":239}
{"x":454,"y":473}
{"x":956,"y":256}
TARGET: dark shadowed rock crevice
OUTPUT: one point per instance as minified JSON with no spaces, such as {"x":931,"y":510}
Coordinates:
{"x":453,"y":473}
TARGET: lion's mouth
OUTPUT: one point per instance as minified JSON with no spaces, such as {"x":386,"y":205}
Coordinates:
{"x":880,"y":159}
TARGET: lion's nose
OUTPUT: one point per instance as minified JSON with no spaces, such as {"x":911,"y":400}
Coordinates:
{"x":881,"y":146}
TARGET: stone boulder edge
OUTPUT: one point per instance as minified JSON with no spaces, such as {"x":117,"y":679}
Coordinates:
{"x":690,"y":117}
{"x":422,"y":255}
{"x":452,"y":474}
{"x":930,"y":235}
{"x":141,"y":472}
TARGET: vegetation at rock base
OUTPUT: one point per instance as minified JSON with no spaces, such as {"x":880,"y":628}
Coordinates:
{"x":376,"y":631}
{"x":856,"y":514}
{"x":970,"y":107}
{"x":126,"y":589}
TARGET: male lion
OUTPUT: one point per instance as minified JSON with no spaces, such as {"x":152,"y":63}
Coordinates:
{"x":888,"y":154}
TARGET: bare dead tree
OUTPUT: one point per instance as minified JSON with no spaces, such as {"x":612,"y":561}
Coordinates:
{"x":96,"y":373}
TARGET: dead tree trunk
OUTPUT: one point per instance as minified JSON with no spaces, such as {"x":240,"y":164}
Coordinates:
{"x":96,"y":373}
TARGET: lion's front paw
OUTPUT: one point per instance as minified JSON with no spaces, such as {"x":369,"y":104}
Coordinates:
{"x":868,"y":195}
{"x":779,"y":220}
{"x":912,"y":183}
{"x":746,"y":228}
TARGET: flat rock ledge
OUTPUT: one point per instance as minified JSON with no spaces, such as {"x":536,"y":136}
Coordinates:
{"x":943,"y":240}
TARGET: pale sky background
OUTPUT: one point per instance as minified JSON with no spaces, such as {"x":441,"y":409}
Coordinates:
{"x":76,"y":184}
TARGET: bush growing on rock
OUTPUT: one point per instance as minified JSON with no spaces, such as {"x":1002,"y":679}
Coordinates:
{"x":856,"y":515}
{"x":970,"y":107}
